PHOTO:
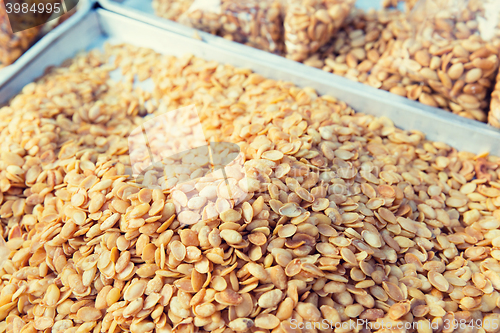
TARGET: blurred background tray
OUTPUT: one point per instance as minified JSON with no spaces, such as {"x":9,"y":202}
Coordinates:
{"x":91,"y":29}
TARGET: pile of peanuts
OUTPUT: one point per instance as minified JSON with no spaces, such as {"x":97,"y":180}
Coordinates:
{"x":301,"y":25}
{"x":359,"y":46}
{"x":310,"y":24}
{"x":377,"y":48}
{"x":346,"y":218}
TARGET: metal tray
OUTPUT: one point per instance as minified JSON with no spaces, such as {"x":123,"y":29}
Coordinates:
{"x":142,"y":10}
{"x":83,"y":7}
{"x":99,"y":25}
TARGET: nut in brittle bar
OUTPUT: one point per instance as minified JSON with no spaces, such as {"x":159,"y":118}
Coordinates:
{"x":205,"y":178}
